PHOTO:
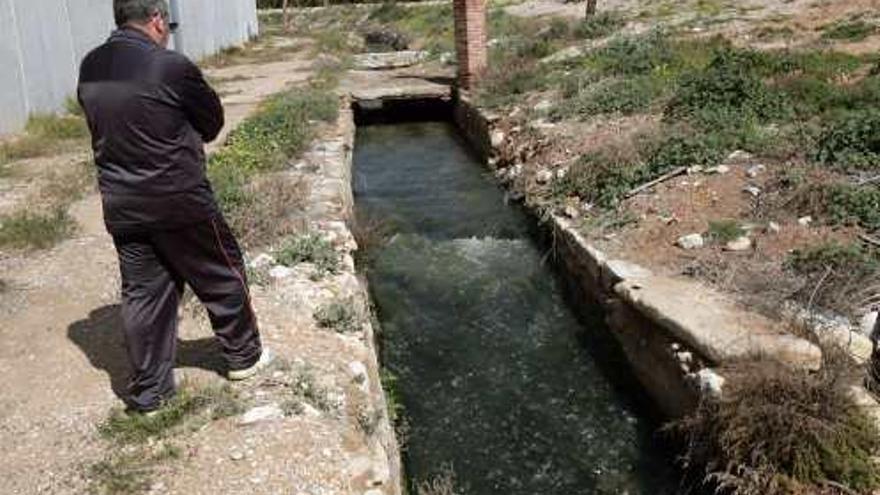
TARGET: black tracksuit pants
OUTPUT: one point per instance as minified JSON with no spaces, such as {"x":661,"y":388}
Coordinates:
{"x":155,"y":265}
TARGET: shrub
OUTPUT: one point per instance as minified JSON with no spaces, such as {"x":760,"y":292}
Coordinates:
{"x":851,"y":143}
{"x":26,"y":229}
{"x":280,"y":130}
{"x":599,"y":26}
{"x":847,"y":260}
{"x":57,"y":127}
{"x":340,"y":316}
{"x":625,"y":95}
{"x":846,"y":204}
{"x":857,"y":30}
{"x":731,"y":86}
{"x":781,"y":431}
{"x":724,"y":231}
{"x":838,"y":276}
{"x":602,"y":177}
{"x":309,"y":248}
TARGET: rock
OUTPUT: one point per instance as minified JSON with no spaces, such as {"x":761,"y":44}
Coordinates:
{"x":696,"y":169}
{"x":261,"y":261}
{"x":561,"y":173}
{"x":564,"y":54}
{"x":280,"y":271}
{"x":496,"y":138}
{"x":388,"y":60}
{"x":719,"y":170}
{"x":691,"y":241}
{"x":572,"y":211}
{"x":386,"y":39}
{"x":358,"y":372}
{"x":544,"y":176}
{"x":739,"y":156}
{"x":710,"y":383}
{"x":236,"y":455}
{"x":805,"y":221}
{"x":543,"y":106}
{"x":374,"y":492}
{"x":261,"y":413}
{"x":447,"y":58}
{"x":740,"y":244}
{"x":752,"y":190}
{"x":773,"y":228}
{"x":868,"y":323}
{"x":755,"y":170}
{"x":713,"y":325}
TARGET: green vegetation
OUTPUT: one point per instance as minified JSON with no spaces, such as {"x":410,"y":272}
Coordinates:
{"x":279,"y":131}
{"x":599,"y":26}
{"x":852,"y":142}
{"x":129,"y":472}
{"x":392,"y":395}
{"x":190,"y":406}
{"x":838,"y":276}
{"x":724,"y":231}
{"x":715,"y":98}
{"x":341,"y":316}
{"x":141,"y":442}
{"x":843,"y":204}
{"x":852,"y":30}
{"x":306,"y":387}
{"x":25,"y":229}
{"x":781,"y":431}
{"x":430,"y":25}
{"x":310,"y":248}
{"x":45,"y":134}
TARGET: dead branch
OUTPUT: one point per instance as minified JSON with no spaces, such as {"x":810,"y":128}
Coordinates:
{"x":870,"y":240}
{"x":663,"y":178}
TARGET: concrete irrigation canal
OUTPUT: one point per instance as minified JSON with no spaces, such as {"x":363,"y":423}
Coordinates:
{"x":501,"y":384}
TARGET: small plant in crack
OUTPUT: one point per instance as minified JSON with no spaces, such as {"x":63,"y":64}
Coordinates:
{"x":310,"y":248}
{"x":340,"y":315}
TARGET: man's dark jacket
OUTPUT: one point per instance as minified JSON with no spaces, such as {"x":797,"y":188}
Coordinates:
{"x":150,"y":112}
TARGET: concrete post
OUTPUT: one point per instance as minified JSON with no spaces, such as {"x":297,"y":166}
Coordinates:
{"x":470,"y":40}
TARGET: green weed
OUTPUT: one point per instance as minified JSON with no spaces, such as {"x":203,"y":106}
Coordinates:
{"x":280,"y":130}
{"x":26,"y":229}
{"x":341,"y":316}
{"x":779,"y":431}
{"x":188,"y":405}
{"x":127,"y":472}
{"x":599,"y":26}
{"x":857,"y":30}
{"x":724,"y":231}
{"x":845,"y":204}
{"x":851,"y":143}
{"x":44,"y":135}
{"x":310,"y":248}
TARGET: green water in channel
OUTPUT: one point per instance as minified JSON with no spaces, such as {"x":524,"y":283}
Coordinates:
{"x":501,"y":384}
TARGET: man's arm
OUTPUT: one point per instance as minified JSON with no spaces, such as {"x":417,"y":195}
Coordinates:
{"x":201,"y":103}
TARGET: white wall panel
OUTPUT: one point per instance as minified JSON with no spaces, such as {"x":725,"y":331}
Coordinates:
{"x":43,"y":41}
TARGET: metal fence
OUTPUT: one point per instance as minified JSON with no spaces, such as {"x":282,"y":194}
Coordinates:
{"x":43,"y":41}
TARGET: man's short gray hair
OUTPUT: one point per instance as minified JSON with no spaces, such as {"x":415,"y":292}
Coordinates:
{"x":138,"y":11}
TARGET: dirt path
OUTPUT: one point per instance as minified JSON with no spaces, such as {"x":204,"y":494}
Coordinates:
{"x":61,"y":347}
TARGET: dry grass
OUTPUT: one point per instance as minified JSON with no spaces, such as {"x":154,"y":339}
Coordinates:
{"x":274,"y":211}
{"x":778,"y":431}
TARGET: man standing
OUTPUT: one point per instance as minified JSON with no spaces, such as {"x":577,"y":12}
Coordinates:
{"x":150,"y":112}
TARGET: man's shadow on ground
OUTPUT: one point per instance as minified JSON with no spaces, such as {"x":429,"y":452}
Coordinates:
{"x":100,"y":338}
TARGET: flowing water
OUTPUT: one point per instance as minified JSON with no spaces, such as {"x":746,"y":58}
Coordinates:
{"x":501,"y":384}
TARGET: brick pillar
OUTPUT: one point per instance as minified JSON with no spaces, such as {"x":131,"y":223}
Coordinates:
{"x":470,"y":40}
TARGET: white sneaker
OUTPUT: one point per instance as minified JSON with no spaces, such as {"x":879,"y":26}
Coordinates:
{"x":266,"y":358}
